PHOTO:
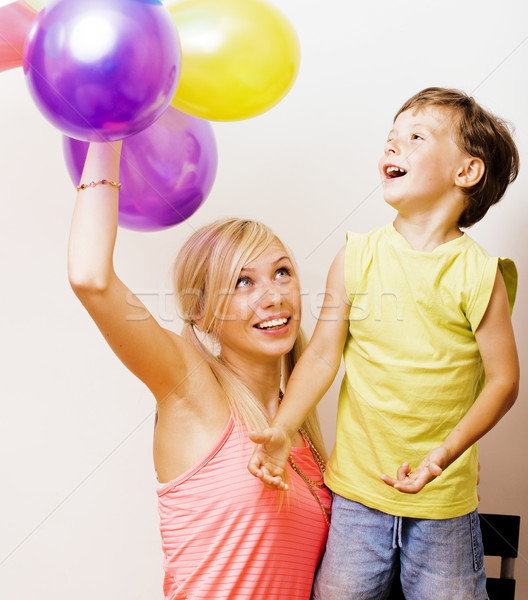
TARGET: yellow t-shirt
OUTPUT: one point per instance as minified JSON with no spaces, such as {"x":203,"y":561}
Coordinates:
{"x":413,"y":368}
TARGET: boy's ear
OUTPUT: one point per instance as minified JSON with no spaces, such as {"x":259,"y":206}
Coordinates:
{"x":470,"y":172}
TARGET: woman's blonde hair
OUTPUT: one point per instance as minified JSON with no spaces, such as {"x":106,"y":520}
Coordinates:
{"x":205,"y":273}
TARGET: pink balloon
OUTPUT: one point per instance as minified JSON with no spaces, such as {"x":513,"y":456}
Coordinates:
{"x":15,"y":22}
{"x":166,"y":170}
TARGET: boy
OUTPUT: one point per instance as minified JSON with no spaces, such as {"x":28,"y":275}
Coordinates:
{"x":420,"y":312}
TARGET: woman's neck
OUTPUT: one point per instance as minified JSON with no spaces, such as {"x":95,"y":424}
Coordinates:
{"x":262,"y":378}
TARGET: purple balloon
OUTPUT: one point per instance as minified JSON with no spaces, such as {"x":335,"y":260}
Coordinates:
{"x":166,"y":171}
{"x":102,"y":69}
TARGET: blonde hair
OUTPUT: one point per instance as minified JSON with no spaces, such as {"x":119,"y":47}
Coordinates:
{"x":206,"y":271}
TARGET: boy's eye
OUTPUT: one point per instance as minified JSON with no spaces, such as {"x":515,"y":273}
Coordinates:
{"x":243,"y":282}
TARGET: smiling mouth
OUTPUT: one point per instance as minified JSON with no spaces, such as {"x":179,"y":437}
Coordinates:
{"x":272,"y":324}
{"x":393,"y":172}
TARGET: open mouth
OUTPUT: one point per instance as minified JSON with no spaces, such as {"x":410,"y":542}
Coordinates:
{"x":393,"y":172}
{"x":272,"y":324}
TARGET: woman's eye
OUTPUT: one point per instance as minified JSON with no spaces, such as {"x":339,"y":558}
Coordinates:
{"x":283,"y":272}
{"x":243,"y":282}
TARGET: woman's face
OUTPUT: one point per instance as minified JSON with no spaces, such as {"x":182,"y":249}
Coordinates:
{"x":264,"y":310}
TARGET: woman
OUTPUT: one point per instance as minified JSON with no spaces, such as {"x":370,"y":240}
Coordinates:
{"x":224,"y":536}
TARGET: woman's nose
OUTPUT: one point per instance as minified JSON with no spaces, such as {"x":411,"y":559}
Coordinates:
{"x":271,"y":295}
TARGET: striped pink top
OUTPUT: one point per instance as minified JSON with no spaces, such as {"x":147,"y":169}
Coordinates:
{"x":225,"y":537}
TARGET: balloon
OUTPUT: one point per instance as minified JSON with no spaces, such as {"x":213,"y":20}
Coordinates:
{"x":239,"y":57}
{"x":37,"y":4}
{"x":166,"y":171}
{"x":102,"y":69}
{"x":15,"y":23}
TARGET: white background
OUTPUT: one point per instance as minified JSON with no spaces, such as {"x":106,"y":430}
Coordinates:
{"x":77,"y":491}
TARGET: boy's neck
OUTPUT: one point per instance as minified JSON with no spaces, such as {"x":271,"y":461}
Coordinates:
{"x":425,"y":235}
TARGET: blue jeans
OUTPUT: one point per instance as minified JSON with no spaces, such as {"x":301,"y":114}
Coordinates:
{"x":440,"y":559}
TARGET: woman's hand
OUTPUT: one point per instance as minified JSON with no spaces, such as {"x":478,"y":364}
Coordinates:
{"x":94,"y":222}
{"x":270,"y":457}
{"x":411,"y":482}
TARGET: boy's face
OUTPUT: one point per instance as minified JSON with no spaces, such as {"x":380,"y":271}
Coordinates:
{"x":420,"y":162}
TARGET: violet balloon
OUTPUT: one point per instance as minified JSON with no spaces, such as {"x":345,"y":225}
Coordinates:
{"x":102,"y":69}
{"x":166,"y":171}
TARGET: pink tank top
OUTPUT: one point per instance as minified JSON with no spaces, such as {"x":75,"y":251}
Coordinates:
{"x":226,"y":537}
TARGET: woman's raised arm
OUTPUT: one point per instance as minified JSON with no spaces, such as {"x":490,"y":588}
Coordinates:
{"x":158,"y":357}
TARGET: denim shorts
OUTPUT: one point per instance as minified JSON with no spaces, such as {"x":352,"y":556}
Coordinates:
{"x":439,"y":559}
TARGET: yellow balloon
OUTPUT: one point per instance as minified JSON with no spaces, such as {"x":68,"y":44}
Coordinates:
{"x":37,"y":4}
{"x":239,"y":57}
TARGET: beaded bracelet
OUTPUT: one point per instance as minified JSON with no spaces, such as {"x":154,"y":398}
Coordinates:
{"x":83,"y":186}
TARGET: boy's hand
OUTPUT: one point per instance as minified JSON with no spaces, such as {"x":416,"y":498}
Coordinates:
{"x":269,"y":459}
{"x":411,"y":482}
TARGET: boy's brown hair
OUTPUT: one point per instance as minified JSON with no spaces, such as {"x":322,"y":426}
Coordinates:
{"x":480,"y":134}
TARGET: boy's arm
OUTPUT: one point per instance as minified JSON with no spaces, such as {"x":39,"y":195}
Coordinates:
{"x":308,"y":383}
{"x":497,"y":347}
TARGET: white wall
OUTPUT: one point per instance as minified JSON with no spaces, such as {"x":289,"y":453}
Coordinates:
{"x":78,"y":506}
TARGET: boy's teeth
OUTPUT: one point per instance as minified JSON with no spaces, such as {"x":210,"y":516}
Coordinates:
{"x":395,"y":171}
{"x":272,"y":323}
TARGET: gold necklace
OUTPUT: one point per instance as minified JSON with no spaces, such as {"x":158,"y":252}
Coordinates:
{"x":313,"y":484}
